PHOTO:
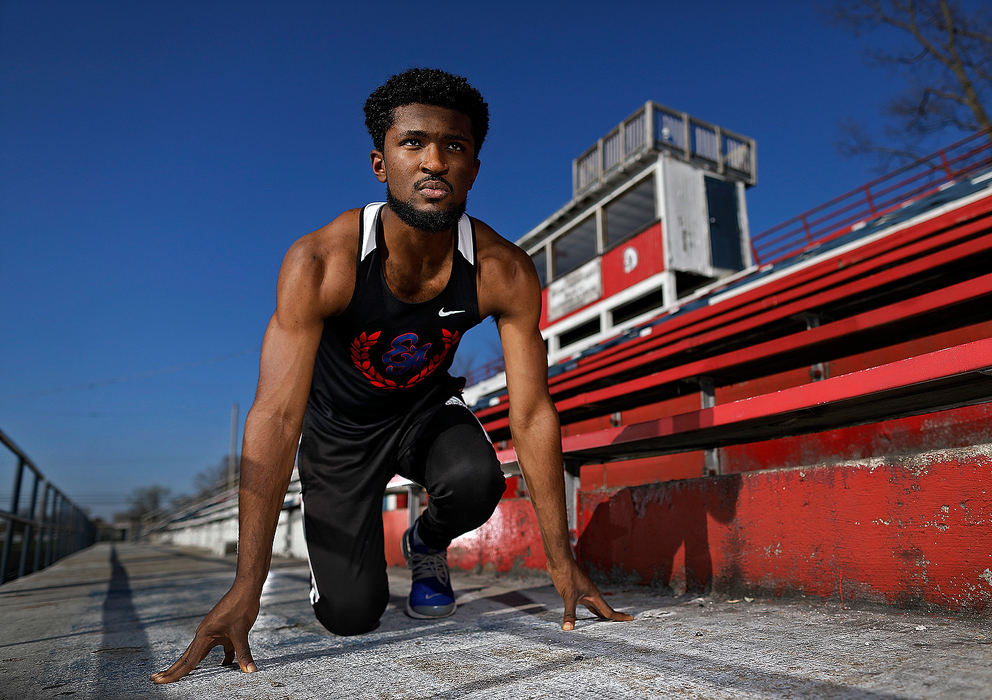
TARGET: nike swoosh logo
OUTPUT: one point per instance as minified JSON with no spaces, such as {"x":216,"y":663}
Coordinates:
{"x":442,"y":313}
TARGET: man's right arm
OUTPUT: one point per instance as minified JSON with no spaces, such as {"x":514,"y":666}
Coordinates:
{"x":272,"y":428}
{"x":304,"y":299}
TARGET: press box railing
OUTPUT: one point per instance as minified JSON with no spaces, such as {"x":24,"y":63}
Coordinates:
{"x":654,"y":128}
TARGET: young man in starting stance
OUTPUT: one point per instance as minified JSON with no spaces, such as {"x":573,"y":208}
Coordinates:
{"x":369,"y":312}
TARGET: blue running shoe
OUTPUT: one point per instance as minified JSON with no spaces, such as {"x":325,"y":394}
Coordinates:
{"x":431,"y":596}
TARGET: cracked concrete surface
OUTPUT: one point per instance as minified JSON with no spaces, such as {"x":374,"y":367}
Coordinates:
{"x":97,"y":623}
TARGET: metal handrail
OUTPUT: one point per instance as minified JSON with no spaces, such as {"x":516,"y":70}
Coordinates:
{"x":58,"y":528}
{"x":874,"y":200}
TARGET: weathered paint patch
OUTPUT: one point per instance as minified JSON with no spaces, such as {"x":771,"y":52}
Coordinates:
{"x":908,"y":531}
{"x":510,"y":539}
{"x":890,"y":532}
{"x":951,"y":429}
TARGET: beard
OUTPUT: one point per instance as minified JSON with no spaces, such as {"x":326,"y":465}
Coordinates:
{"x":431,"y":221}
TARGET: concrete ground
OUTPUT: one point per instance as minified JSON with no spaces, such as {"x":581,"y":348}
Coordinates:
{"x":97,"y":623}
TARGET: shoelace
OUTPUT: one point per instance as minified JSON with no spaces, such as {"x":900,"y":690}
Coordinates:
{"x":429,"y":566}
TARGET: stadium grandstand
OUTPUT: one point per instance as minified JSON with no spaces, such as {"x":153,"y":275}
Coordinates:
{"x":806,"y":410}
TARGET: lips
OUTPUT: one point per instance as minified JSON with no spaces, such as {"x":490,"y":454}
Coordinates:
{"x":433,"y":189}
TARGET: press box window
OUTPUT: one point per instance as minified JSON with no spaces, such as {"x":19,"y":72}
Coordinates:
{"x":636,"y":307}
{"x":580,"y":332}
{"x":630,"y":213}
{"x":575,"y":248}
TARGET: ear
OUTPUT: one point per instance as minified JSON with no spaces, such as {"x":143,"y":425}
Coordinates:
{"x":475,"y":172}
{"x":379,"y":165}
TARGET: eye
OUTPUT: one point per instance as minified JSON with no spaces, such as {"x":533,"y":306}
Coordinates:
{"x":456,"y":146}
{"x":410,"y":141}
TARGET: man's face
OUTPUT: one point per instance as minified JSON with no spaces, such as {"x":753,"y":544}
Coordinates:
{"x":428,"y":164}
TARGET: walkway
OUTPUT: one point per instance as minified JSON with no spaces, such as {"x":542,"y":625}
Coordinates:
{"x":99,"y":622}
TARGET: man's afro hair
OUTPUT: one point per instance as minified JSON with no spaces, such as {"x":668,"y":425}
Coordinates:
{"x":428,"y":86}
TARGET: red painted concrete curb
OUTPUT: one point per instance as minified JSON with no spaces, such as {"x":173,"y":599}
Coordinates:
{"x":914,"y":532}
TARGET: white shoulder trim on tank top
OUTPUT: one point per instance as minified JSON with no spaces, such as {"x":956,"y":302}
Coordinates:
{"x":370,"y":218}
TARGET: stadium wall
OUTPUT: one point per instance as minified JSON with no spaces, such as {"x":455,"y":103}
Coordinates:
{"x":898,"y":512}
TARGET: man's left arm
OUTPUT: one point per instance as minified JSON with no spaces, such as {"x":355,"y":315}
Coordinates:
{"x":537,"y":438}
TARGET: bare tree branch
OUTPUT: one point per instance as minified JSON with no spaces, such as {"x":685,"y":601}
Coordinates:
{"x":947,"y":67}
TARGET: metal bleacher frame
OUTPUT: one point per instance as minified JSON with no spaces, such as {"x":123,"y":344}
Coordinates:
{"x":721,"y":341}
{"x":949,"y":378}
{"x":859,"y":287}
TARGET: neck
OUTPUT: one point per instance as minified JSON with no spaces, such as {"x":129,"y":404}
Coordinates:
{"x":416,"y":263}
{"x":415,"y":247}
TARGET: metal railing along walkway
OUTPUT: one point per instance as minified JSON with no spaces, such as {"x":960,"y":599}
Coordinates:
{"x":41,"y":529}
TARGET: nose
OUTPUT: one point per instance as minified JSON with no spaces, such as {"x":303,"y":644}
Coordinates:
{"x":433,"y":161}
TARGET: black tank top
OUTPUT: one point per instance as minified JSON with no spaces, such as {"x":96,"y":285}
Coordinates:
{"x":382,"y":356}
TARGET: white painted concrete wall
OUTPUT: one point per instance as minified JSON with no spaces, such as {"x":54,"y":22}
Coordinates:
{"x":218,"y":532}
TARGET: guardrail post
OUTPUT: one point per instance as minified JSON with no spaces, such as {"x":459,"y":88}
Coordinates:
{"x":871,"y":202}
{"x":40,"y":538}
{"x":809,"y":238}
{"x":686,"y":137}
{"x":711,"y":456}
{"x":649,"y":142}
{"x":73,"y":529}
{"x":50,"y":536}
{"x":8,"y":540}
{"x":57,"y":541}
{"x":720,"y":158}
{"x":600,"y":155}
{"x":26,"y":537}
{"x":573,"y":470}
{"x":65,"y":544}
{"x":946,"y":165}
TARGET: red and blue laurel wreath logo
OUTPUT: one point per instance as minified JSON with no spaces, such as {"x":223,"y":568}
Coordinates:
{"x":403,"y":355}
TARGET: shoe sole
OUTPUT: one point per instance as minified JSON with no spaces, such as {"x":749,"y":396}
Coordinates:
{"x":421,"y":616}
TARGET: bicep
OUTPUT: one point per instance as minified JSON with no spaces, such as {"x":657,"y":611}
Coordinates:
{"x":286,"y":368}
{"x":291,"y":339}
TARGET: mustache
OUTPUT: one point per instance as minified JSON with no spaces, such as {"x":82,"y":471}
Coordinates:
{"x":419,"y":184}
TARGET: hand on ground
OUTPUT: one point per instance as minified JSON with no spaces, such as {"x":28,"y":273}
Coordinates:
{"x":575,"y":587}
{"x":226,"y":625}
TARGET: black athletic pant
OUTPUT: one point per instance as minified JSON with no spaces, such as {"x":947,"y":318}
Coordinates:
{"x":344,"y":470}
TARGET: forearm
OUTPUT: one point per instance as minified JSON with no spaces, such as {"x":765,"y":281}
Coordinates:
{"x":266,"y":465}
{"x":537,"y":439}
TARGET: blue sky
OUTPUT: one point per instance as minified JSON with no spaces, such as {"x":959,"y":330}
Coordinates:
{"x":158,"y":158}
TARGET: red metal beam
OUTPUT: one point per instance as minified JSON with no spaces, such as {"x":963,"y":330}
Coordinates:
{"x":779,"y":349}
{"x":925,"y":237}
{"x":887,"y":314}
{"x":884,"y":314}
{"x":955,"y":376}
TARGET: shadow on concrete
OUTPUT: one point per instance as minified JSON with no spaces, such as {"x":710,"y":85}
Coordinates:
{"x":639,"y":532}
{"x":576,"y":648}
{"x":517,"y":600}
{"x":89,"y":583}
{"x":574,"y":651}
{"x":123,"y":632}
